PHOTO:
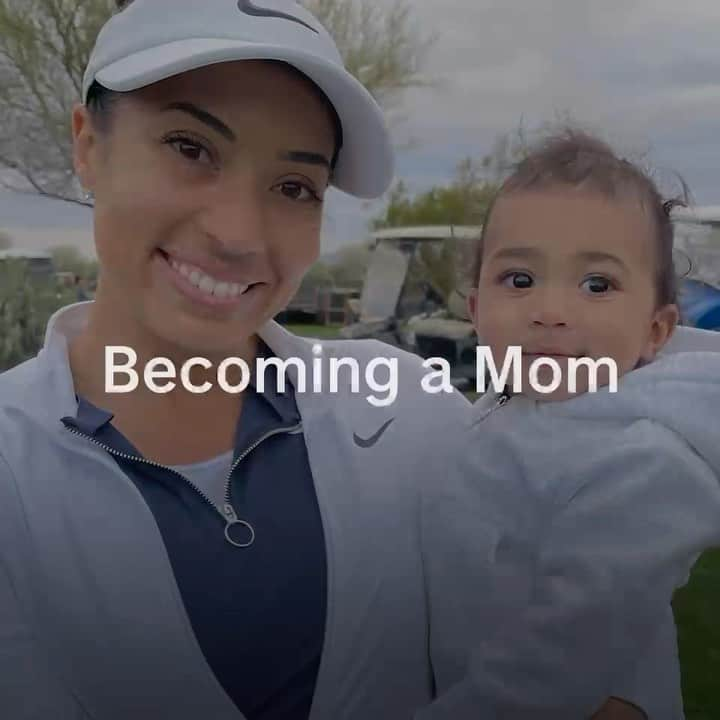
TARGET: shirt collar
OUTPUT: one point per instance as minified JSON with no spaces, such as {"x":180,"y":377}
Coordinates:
{"x":70,"y":320}
{"x":282,"y":401}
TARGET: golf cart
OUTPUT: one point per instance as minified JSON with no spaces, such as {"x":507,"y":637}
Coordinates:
{"x":697,"y":240}
{"x":412,"y":296}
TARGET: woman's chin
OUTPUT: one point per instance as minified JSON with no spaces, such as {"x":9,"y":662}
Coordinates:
{"x":186,"y":334}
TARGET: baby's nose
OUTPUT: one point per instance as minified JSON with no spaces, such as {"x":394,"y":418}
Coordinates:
{"x":551,"y":310}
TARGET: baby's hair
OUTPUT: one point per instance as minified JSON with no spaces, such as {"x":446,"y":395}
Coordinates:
{"x":577,"y":159}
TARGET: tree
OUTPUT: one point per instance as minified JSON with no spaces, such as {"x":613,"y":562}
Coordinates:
{"x":349,"y":265}
{"x":67,"y":258}
{"x":380,"y":45}
{"x":26,"y":304}
{"x":463,"y":201}
{"x":45,"y":46}
{"x":508,"y":149}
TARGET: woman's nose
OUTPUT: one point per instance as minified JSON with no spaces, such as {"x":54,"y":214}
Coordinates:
{"x":236,"y":220}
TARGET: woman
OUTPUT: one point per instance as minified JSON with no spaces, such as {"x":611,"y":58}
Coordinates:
{"x":213,"y":554}
{"x":196,"y":552}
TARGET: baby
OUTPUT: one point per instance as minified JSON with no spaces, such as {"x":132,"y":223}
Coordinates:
{"x":570,"y":517}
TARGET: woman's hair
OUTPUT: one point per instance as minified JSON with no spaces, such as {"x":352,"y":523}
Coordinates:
{"x":577,"y":159}
{"x":100,"y":100}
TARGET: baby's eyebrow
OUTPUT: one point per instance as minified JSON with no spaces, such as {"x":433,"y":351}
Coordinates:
{"x":515,"y":252}
{"x":599,"y":256}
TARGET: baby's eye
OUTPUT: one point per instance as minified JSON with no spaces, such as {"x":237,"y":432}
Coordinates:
{"x":517,"y":280}
{"x":597,"y":284}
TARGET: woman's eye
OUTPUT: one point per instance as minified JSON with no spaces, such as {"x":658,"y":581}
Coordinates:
{"x":597,"y":284}
{"x":190,"y":149}
{"x":298,"y":191}
{"x":518,"y":280}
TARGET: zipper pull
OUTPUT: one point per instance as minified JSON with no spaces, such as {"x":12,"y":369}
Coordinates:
{"x":233,"y":520}
{"x":230,"y":514}
{"x":505,"y":396}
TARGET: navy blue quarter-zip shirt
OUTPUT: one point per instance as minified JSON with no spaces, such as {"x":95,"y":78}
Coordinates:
{"x":258,"y":612}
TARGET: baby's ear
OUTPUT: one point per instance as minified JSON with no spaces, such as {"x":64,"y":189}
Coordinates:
{"x":472,"y":305}
{"x":663,"y":326}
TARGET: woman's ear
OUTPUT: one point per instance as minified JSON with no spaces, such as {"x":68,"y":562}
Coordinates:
{"x":663,"y":325}
{"x":83,"y":135}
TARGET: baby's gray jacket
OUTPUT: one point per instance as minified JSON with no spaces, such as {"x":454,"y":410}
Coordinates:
{"x":554,"y":546}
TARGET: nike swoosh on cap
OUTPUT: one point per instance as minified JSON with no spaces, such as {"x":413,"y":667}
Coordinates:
{"x":249,"y":8}
{"x":369,"y":442}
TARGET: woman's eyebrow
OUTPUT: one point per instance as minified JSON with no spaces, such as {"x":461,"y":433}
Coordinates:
{"x":204,"y":117}
{"x":304,"y":156}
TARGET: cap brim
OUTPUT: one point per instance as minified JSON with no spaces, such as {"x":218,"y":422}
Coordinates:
{"x":365,"y":165}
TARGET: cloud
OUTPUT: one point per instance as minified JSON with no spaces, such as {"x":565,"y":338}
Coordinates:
{"x":644,"y":73}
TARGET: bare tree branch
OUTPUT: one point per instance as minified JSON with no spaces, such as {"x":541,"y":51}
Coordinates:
{"x":45,"y":46}
{"x":380,"y":45}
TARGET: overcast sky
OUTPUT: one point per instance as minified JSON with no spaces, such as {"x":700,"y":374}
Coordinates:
{"x":643,"y":73}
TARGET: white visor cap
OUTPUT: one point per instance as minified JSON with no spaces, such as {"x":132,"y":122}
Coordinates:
{"x":151,"y":40}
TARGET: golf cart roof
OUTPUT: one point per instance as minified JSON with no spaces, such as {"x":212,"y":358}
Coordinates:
{"x":25,"y":254}
{"x":701,"y":215}
{"x":428,"y":232}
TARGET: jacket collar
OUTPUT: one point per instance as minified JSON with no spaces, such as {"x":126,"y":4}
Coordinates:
{"x":67,"y":322}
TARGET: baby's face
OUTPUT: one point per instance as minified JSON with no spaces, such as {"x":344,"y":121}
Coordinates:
{"x":569,"y":273}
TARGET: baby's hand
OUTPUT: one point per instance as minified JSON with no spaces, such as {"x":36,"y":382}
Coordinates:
{"x":616,"y":709}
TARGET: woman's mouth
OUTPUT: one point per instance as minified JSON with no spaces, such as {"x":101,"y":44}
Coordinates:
{"x":203,"y":287}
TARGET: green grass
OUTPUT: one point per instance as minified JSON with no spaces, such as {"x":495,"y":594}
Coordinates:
{"x":696,"y":606}
{"x":697,"y":614}
{"x":314,"y":331}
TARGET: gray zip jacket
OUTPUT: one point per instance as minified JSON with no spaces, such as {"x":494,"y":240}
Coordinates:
{"x":554,"y":549}
{"x":91,"y":621}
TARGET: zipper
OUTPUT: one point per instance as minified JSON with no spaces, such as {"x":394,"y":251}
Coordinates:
{"x":227,"y":511}
{"x":502,"y":399}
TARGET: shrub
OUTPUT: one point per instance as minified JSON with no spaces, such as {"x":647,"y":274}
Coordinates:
{"x":26,"y":304}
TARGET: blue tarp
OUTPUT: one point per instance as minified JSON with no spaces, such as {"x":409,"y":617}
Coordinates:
{"x":700,"y":304}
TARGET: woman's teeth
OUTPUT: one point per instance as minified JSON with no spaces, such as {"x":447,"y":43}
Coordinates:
{"x":206,"y":283}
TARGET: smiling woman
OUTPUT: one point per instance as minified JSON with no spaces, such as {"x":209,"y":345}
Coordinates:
{"x":197,"y":196}
{"x":252,"y":555}
{"x":215,"y":551}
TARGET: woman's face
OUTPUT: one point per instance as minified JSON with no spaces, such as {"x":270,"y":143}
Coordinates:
{"x":208,"y":201}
